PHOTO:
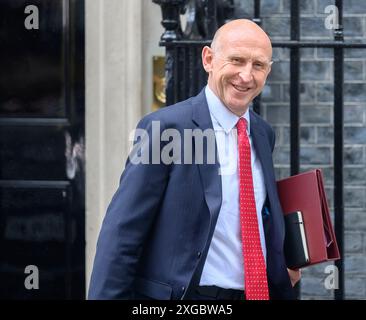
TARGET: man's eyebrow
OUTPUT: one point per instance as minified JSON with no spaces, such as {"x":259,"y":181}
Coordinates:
{"x":262,"y":59}
{"x":238,"y":56}
{"x":244,"y":57}
{"x":247,"y":55}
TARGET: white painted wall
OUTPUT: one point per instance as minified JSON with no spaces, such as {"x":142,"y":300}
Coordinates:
{"x":121,"y":39}
{"x":151,"y":33}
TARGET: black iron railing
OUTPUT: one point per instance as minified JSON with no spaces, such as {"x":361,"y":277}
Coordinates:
{"x":185,"y":77}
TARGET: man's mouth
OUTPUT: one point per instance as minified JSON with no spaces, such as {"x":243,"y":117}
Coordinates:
{"x":240,"y":88}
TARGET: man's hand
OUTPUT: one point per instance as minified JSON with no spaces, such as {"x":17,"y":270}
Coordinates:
{"x":295,"y":275}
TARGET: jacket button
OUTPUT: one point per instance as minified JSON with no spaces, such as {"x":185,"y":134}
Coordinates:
{"x":183,"y":288}
{"x":199,"y":254}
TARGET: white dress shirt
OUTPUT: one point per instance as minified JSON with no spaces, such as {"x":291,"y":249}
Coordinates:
{"x":224,"y":264}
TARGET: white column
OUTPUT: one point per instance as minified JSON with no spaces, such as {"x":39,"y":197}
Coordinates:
{"x":113,"y":102}
{"x":151,"y":33}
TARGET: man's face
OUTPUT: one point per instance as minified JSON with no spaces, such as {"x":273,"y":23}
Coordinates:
{"x":237,"y":71}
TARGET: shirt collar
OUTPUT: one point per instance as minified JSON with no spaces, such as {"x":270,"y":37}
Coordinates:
{"x":224,"y":117}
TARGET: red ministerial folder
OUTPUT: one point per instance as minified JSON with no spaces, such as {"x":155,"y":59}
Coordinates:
{"x":305,"y":193}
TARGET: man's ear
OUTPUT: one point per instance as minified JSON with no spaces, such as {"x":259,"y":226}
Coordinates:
{"x":207,"y":57}
{"x":270,"y":68}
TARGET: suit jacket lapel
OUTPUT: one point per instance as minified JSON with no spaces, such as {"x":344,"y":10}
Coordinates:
{"x":263,"y":151}
{"x":209,"y":173}
{"x":210,"y":179}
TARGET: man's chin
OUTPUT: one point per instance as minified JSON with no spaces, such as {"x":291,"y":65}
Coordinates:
{"x":238,"y":108}
{"x":241,"y":101}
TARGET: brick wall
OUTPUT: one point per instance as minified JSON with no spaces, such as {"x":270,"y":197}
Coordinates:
{"x":316,"y":119}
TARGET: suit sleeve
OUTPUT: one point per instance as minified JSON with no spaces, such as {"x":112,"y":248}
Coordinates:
{"x":272,"y":139}
{"x":128,"y":221}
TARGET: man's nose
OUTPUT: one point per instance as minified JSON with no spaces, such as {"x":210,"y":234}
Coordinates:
{"x":246,"y":73}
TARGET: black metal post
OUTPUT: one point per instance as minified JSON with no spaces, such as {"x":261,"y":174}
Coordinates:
{"x":170,"y":10}
{"x":295,"y":98}
{"x":295,"y":88}
{"x":257,"y":12}
{"x":211,"y":18}
{"x":338,"y":149}
{"x":257,"y":20}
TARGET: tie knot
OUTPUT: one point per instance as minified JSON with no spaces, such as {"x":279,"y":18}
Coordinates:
{"x":242,"y":125}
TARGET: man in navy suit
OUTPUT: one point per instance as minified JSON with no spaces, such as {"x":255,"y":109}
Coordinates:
{"x":173,"y":230}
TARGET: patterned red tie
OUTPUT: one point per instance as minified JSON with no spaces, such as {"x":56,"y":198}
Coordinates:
{"x":256,"y":286}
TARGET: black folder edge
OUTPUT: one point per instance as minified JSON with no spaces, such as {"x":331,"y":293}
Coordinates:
{"x":296,"y":261}
{"x":329,"y":235}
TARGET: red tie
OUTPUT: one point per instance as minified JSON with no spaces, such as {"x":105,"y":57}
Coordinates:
{"x":256,"y":286}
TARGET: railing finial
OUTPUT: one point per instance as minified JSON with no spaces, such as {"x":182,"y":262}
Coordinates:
{"x":171,"y":22}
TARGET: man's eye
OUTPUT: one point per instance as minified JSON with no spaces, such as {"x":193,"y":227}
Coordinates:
{"x":236,"y":60}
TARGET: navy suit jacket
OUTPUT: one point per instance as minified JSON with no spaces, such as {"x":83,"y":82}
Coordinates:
{"x":159,"y":225}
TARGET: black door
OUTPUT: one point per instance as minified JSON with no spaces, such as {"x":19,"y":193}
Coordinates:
{"x":42,"y":238}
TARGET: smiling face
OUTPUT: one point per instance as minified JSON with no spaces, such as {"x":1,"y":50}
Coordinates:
{"x":238,"y":64}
